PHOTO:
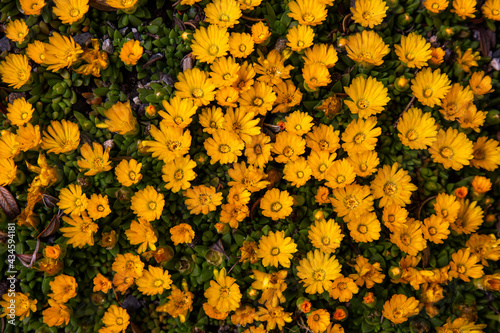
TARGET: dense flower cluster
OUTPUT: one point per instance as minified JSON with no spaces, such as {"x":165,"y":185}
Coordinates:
{"x":276,"y":181}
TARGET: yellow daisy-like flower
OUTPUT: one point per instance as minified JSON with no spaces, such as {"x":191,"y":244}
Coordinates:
{"x":195,"y":84}
{"x":72,"y":200}
{"x":409,"y":238}
{"x":170,"y":142}
{"x":479,"y":82}
{"x":98,"y":206}
{"x":465,"y":265}
{"x":259,"y":99}
{"x":249,"y":178}
{"x":319,"y":162}
{"x":245,"y":79}
{"x":307,"y":12}
{"x":63,"y":288}
{"x":56,"y":314}
{"x":369,"y":96}
{"x":323,"y":138}
{"x":455,"y":103}
{"x":436,"y":6}
{"x":469,"y":217}
{"x":417,"y":130}
{"x":365,"y":228}
{"x":70,"y":11}
{"x":153,"y":281}
{"x":223,"y":147}
{"x":369,"y":13}
{"x":9,"y":146}
{"x":472,"y":118}
{"x":101,"y":283}
{"x":116,"y":319}
{"x":276,"y":249}
{"x":491,"y":9}
{"x":316,"y":75}
{"x":429,"y":86}
{"x":435,"y":229}
{"x":147,"y":204}
{"x":460,"y":324}
{"x":16,"y":30}
{"x":210,"y":43}
{"x":28,"y":137}
{"x":258,"y":151}
{"x":361,"y":136}
{"x":241,"y":45}
{"x":20,"y":303}
{"x":325,"y":235}
{"x":300,"y":37}
{"x":213,"y":313}
{"x":276,"y":204}
{"x":128,"y":172}
{"x":243,"y":124}
{"x":413,"y":50}
{"x":61,"y":137}
{"x":227,"y":96}
{"x":367,"y":48}
{"x":36,"y":51}
{"x":288,"y":147}
{"x":81,"y":232}
{"x":352,"y":201}
{"x":32,"y":7}
{"x":464,"y":8}
{"x":392,"y":185}
{"x":15,"y":70}
{"x":95,"y":159}
{"x":343,"y":289}
{"x":8,"y":171}
{"x":223,"y":293}
{"x":179,"y":112}
{"x":244,"y":315}
{"x":486,"y":154}
{"x":437,"y":56}
{"x":180,"y":302}
{"x":364,"y":164}
{"x":318,"y":320}
{"x":201,"y":199}
{"x":399,"y":308}
{"x":61,"y":51}
{"x":224,"y":71}
{"x":323,"y":54}
{"x":367,"y":273}
{"x":394,"y":217}
{"x":452,"y":149}
{"x":274,"y":316}
{"x":131,"y":52}
{"x":447,"y":207}
{"x":467,"y":59}
{"x":298,"y":123}
{"x":212,"y":119}
{"x":120,"y":119}
{"x":19,"y":112}
{"x":317,"y":271}
{"x":297,"y":172}
{"x":481,"y":184}
{"x":178,"y":173}
{"x":128,"y":264}
{"x":223,"y":13}
{"x":182,"y":234}
{"x":272,"y":68}
{"x":127,"y":4}
{"x":340,"y":174}
{"x":143,"y":234}
{"x":260,"y":32}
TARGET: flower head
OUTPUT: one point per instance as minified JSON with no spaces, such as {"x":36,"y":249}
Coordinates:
{"x":399,"y":308}
{"x":181,"y":234}
{"x":223,"y":293}
{"x":32,"y":7}
{"x":153,"y":281}
{"x":202,"y":199}
{"x":16,"y":31}
{"x":120,"y":119}
{"x":116,"y":319}
{"x":20,"y":111}
{"x":81,"y":230}
{"x":464,"y":8}
{"x":318,"y":320}
{"x":143,"y":234}
{"x":317,"y":271}
{"x":61,"y":51}
{"x":63,"y":288}
{"x":369,"y":13}
{"x":417,"y":130}
{"x":15,"y":70}
{"x":316,"y":75}
{"x":414,"y":51}
{"x":70,"y":11}
{"x":124,"y":4}
{"x":98,"y":206}
{"x":20,"y":303}
{"x":211,"y":43}
{"x":307,"y":12}
{"x":223,"y":147}
{"x":430,"y":86}
{"x":369,"y":97}
{"x":276,"y":249}
{"x":465,"y":265}
{"x":436,"y":6}
{"x":452,"y":149}
{"x":276,"y":204}
{"x":195,"y":84}
{"x":300,"y":37}
{"x":223,"y":13}
{"x":128,"y":172}
{"x":392,"y":185}
{"x":131,"y":52}
{"x":148,"y":204}
{"x":260,"y":32}
{"x":94,"y":159}
{"x":56,"y":314}
{"x":367,"y":48}
{"x":491,"y":9}
{"x":241,"y":45}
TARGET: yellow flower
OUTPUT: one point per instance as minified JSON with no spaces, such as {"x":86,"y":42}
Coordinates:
{"x":323,"y":138}
{"x":36,"y":51}
{"x":240,"y":45}
{"x":297,"y":172}
{"x":465,"y":265}
{"x":147,"y":204}
{"x":288,"y":147}
{"x":182,"y":234}
{"x":461,"y":324}
{"x":131,"y":52}
{"x":128,"y":172}
{"x":369,"y":13}
{"x":300,"y":37}
{"x":469,"y":217}
{"x":491,"y":9}
{"x":414,"y":50}
{"x":259,"y":99}
{"x":9,"y":145}
{"x":56,"y":314}
{"x":128,"y":264}
{"x":227,"y":96}
{"x":212,"y":119}
{"x":258,"y":151}
{"x":437,"y":56}
{"x":178,"y":173}
{"x":318,"y":320}
{"x":223,"y":13}
{"x":316,"y":75}
{"x":94,"y":59}
{"x":464,"y":8}
{"x":417,"y":130}
{"x":457,"y":100}
{"x":61,"y":137}
{"x":276,"y":204}
{"x":307,"y":12}
{"x":298,"y":123}
{"x":19,"y":112}
{"x":244,"y":315}
{"x":272,"y":68}
{"x":364,"y":164}
{"x":120,"y":119}
{"x":325,"y":235}
{"x":486,"y":154}
{"x":447,"y":207}
{"x":98,"y":206}
{"x":430,"y":86}
{"x":245,"y":79}
{"x":8,"y":171}
{"x":81,"y":232}
{"x":394,"y":217}
{"x":224,"y":293}
{"x":276,"y":249}
{"x":481,"y":184}
{"x":452,"y":149}
{"x":61,"y":51}
{"x":352,"y":201}
{"x":392,"y":185}
{"x":72,"y":200}
{"x":169,"y":142}
{"x":153,"y":281}
{"x":201,"y":199}
{"x":95,"y":159}
{"x":343,"y":289}
{"x":340,"y":174}
{"x":20,"y":303}
{"x":224,"y":71}
{"x":16,"y":30}
{"x":317,"y":271}
{"x":32,"y":7}
{"x":142,"y":233}
{"x":319,"y":162}
{"x":70,"y":11}
{"x":223,"y":147}
{"x":361,"y":136}
{"x":127,"y":4}
{"x":330,"y":106}
{"x":210,"y":43}
{"x":116,"y":319}
{"x":288,"y":96}
{"x":250,"y":178}
{"x":472,"y":118}
{"x":369,"y":97}
{"x":260,"y":32}
{"x":63,"y":288}
{"x":399,"y":308}
{"x":195,"y":84}
{"x":409,"y":238}
{"x":15,"y":70}
{"x":101,"y":283}
{"x":272,"y":286}
{"x":435,"y":229}
{"x":275,"y":316}
{"x":367,"y":273}
{"x":365,"y":228}
{"x":436,"y":6}
{"x":367,"y":48}
{"x":179,"y":303}
{"x":242,"y":124}
{"x":479,"y":82}
{"x":467,"y":59}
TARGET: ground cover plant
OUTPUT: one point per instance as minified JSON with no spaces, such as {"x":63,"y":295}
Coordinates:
{"x":249,"y":166}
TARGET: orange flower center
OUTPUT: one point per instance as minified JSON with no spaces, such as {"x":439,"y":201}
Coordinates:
{"x":257,"y":149}
{"x":444,"y":212}
{"x":224,"y":149}
{"x":158,"y":283}
{"x":275,"y":251}
{"x":351,"y":202}
{"x":300,"y":174}
{"x":258,"y":101}
{"x":390,"y":188}
{"x":22,"y":75}
{"x":362,"y":229}
{"x":174,"y":145}
{"x":495,"y":12}
{"x":152,"y":205}
{"x":325,"y":240}
{"x":432,"y":231}
{"x":243,"y":48}
{"x":322,"y":168}
{"x":119,"y":321}
{"x":308,"y":17}
{"x":412,"y":135}
{"x":224,"y":18}
{"x":24,"y":115}
{"x":100,"y":208}
{"x":427,"y":92}
{"x":300,"y":44}
{"x":131,"y":175}
{"x":410,"y":57}
{"x":276,"y":207}
{"x":204,"y":199}
{"x":323,"y":145}
{"x":319,"y":275}
{"x":288,"y":152}
{"x":478,"y":154}
{"x":446,"y":153}
{"x":362,"y":104}
{"x":74,"y":12}
{"x":363,"y":167}
{"x":213,"y":50}
{"x":197,"y":93}
{"x":461,"y":269}
{"x":435,"y":6}
{"x":178,"y":120}
{"x":359,"y":138}
{"x":405,"y":239}
{"x":224,"y":292}
{"x":340,"y":179}
{"x":227,"y":76}
{"x":179,"y":174}
{"x":342,"y":286}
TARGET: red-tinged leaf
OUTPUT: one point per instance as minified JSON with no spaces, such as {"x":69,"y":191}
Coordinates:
{"x":254,"y":205}
{"x":8,"y":204}
{"x":53,"y":226}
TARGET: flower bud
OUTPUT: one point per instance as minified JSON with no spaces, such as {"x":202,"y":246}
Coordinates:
{"x":213,"y":257}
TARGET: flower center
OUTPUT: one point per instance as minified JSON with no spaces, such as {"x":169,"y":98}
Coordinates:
{"x":319,"y":275}
{"x":224,"y":292}
{"x":359,"y":138}
{"x":119,"y":321}
{"x":152,"y":205}
{"x":478,"y":154}
{"x":363,"y":167}
{"x":197,"y":93}
{"x":461,"y":269}
{"x":204,"y":199}
{"x":432,"y":231}
{"x":74,"y":12}
{"x":446,"y":153}
{"x":257,"y":149}
{"x":495,"y":12}
{"x":224,"y":149}
{"x":275,"y":251}
{"x":308,"y":17}
{"x":131,"y":175}
{"x":174,"y":145}
{"x":21,"y":75}
{"x":298,"y":127}
{"x":340,"y":179}
{"x":323,"y":145}
{"x":412,"y":135}
{"x":325,"y":240}
{"x":410,"y":57}
{"x":42,"y":56}
{"x":179,"y":174}
{"x":398,"y":312}
{"x":100,"y":208}
{"x":351,"y":202}
{"x":444,"y":212}
{"x":243,"y":48}
{"x":300,"y":174}
{"x":427,"y":92}
{"x":322,"y":168}
{"x":362,"y":104}
{"x":405,"y":239}
{"x":362,"y":229}
{"x":276,"y":207}
{"x":300,"y":43}
{"x":227,"y":76}
{"x":158,"y":283}
{"x":288,"y":152}
{"x":258,"y":101}
{"x":224,"y":18}
{"x":213,"y":50}
{"x":178,"y":120}
{"x":435,"y":6}
{"x":390,"y":188}
{"x":24,"y":115}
